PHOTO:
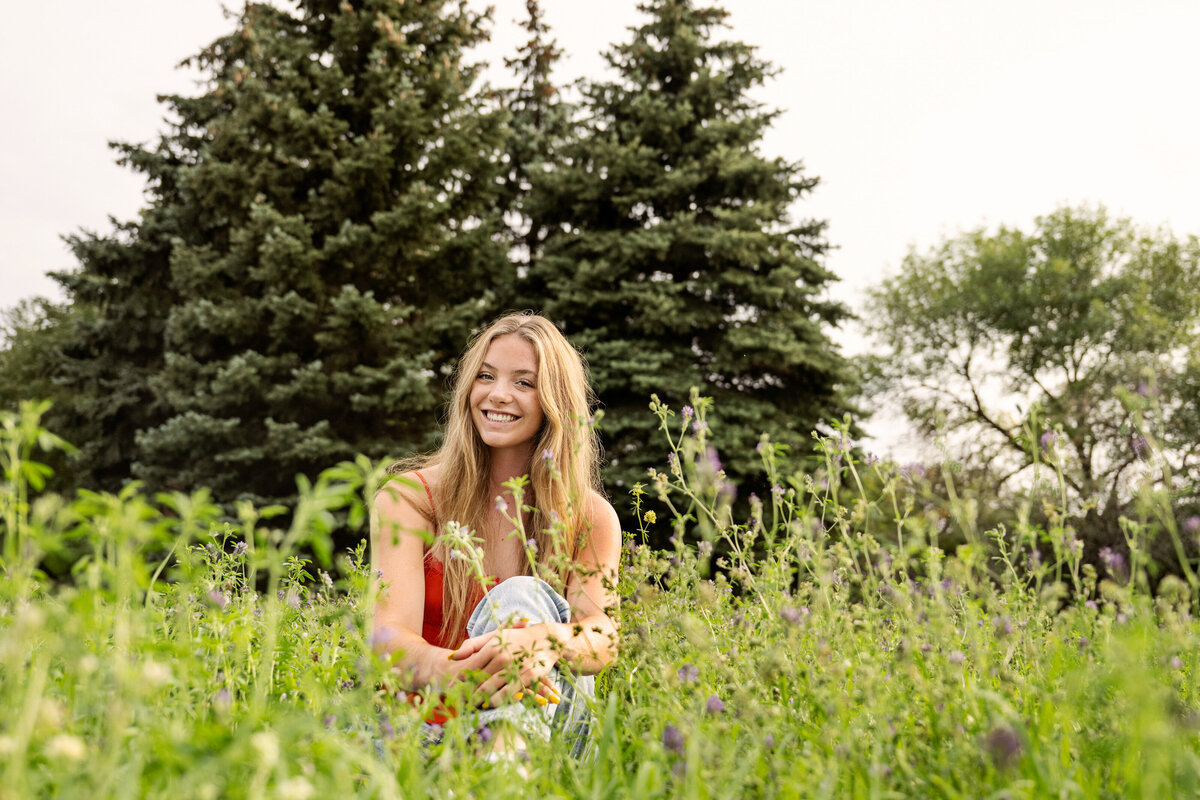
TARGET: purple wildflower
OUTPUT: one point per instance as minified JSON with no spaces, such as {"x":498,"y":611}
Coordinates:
{"x":790,"y":615}
{"x":710,"y":455}
{"x":1192,"y":525}
{"x":769,"y":742}
{"x":239,"y":548}
{"x":714,"y":705}
{"x":689,"y":673}
{"x":672,"y":739}
{"x":1048,"y":440}
{"x":385,"y":729}
{"x":1176,"y":662}
{"x":777,"y":491}
{"x":699,"y":427}
{"x":1140,"y":447}
{"x":956,"y":657}
{"x":705,"y":549}
{"x":501,"y":505}
{"x":1003,"y":745}
{"x":687,"y":412}
{"x":532,"y":545}
{"x":1114,"y":562}
{"x":485,"y":734}
{"x":547,"y":455}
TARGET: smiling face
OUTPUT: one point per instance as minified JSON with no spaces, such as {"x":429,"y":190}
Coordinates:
{"x":505,"y":406}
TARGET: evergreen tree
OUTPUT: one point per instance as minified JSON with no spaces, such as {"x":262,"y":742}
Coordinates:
{"x":669,"y":255}
{"x":324,"y":235}
{"x":540,"y":123}
{"x":111,"y":342}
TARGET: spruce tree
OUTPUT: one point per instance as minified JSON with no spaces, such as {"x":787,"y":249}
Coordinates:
{"x":110,"y":343}
{"x":328,"y":207}
{"x":540,"y":122}
{"x":670,"y":257}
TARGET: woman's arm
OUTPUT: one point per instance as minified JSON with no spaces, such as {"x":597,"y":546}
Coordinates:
{"x":520,"y":656}
{"x":398,"y":555}
{"x":589,"y":642}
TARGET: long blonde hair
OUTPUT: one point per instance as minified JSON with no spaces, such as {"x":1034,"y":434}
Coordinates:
{"x":563,"y":468}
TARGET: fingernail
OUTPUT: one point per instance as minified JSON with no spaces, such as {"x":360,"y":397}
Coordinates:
{"x":555,"y":699}
{"x":485,"y":704}
{"x":541,"y":701}
{"x":450,"y":657}
{"x":524,"y":619}
{"x":518,"y":695}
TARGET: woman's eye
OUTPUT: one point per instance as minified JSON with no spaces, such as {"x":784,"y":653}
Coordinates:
{"x":484,"y":376}
{"x":526,"y":384}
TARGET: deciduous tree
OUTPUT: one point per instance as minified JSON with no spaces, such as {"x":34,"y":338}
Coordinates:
{"x":1076,"y":340}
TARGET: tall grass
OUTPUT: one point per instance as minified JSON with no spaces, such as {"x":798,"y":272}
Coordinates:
{"x":825,"y":646}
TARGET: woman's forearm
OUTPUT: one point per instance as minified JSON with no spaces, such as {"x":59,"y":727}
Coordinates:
{"x":418,"y":663}
{"x":588,"y":645}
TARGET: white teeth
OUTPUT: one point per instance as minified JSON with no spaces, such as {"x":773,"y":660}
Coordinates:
{"x":496,"y":416}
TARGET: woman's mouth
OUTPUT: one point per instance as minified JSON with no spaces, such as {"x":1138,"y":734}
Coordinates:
{"x":499,"y":416}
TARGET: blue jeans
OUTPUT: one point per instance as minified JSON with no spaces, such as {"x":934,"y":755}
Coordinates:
{"x":571,"y":718}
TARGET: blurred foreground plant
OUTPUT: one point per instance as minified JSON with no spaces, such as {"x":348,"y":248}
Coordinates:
{"x":841,"y":640}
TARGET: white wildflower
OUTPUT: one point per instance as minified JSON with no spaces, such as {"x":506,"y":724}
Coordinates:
{"x":51,"y":714}
{"x":267,"y":746}
{"x":66,"y":746}
{"x":156,"y":674}
{"x":297,"y":788}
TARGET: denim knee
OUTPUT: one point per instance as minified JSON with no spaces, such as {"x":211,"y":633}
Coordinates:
{"x":522,"y":596}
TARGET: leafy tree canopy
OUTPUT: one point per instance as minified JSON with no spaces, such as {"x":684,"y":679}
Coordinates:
{"x":1077,"y":339}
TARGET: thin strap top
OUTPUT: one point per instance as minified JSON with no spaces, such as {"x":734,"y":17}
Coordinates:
{"x":428,"y":491}
{"x":431,"y":621}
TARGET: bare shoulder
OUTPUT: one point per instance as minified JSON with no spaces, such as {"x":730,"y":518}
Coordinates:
{"x":405,"y":502}
{"x":602,"y":517}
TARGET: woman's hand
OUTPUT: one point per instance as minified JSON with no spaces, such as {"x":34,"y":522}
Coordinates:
{"x":515,"y":660}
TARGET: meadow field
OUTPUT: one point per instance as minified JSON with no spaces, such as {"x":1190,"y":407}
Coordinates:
{"x":844,"y":640}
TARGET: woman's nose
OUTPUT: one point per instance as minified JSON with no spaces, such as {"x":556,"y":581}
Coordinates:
{"x":500,"y":393}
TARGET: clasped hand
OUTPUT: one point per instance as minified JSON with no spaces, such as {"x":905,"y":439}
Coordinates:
{"x":508,"y":663}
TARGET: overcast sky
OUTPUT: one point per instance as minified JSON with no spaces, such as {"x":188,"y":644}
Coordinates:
{"x":921,"y":118}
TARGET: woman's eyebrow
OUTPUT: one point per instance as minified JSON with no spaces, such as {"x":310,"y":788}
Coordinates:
{"x":514,"y":372}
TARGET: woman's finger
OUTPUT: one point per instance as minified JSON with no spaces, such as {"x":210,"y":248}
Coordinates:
{"x":546,"y":691}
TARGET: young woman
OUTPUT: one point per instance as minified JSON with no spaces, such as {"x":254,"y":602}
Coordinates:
{"x":528,"y":636}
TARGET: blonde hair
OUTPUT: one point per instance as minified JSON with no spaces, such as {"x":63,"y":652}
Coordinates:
{"x":564,"y":465}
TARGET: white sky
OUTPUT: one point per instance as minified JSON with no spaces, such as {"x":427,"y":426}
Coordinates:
{"x":921,"y":118}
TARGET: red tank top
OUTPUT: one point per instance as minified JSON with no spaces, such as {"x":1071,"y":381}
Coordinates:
{"x":435,"y":573}
{"x":431,"y":621}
